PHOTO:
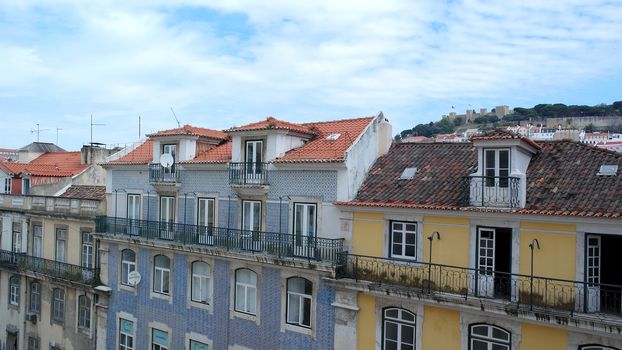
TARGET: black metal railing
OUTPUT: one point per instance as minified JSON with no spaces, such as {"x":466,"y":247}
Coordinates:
{"x":248,"y":173}
{"x":52,"y":268}
{"x":276,"y":244}
{"x":491,"y":191}
{"x":516,"y":290}
{"x":158,"y":174}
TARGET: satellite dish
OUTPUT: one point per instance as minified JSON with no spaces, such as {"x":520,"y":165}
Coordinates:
{"x":166,"y":160}
{"x":133,"y":278}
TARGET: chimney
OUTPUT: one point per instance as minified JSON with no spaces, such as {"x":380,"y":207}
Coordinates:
{"x":91,"y":154}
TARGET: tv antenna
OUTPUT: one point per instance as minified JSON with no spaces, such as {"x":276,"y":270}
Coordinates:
{"x":92,"y":125}
{"x":177,"y":120}
{"x":38,"y":131}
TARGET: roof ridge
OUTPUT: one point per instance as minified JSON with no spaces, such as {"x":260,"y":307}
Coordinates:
{"x":583,"y":145}
{"x":338,"y":120}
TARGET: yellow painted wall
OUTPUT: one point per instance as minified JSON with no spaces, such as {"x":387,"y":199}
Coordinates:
{"x":368,"y":234}
{"x":557,"y":255}
{"x":453,"y":247}
{"x":441,"y":329}
{"x":74,"y":240}
{"x":536,"y":337}
{"x":366,"y":328}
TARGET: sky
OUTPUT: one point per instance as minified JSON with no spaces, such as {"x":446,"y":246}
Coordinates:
{"x":220,"y":64}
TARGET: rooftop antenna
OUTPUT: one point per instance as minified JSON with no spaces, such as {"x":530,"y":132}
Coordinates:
{"x":92,"y":125}
{"x":38,"y":131}
{"x":57,"y":130}
{"x":175,"y":115}
{"x":139,"y":127}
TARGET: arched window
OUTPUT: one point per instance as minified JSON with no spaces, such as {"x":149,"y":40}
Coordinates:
{"x":161,"y":274}
{"x":596,"y":347}
{"x":14,"y":290}
{"x":58,"y":304}
{"x":35,"y":297}
{"x":398,"y":329}
{"x":200,"y":282}
{"x":488,"y":337}
{"x":84,"y":312}
{"x":246,"y":291}
{"x":299,"y":296}
{"x":128,"y":264}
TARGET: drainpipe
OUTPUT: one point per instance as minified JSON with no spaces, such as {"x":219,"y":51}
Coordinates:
{"x":431,"y":239}
{"x":534,"y":243}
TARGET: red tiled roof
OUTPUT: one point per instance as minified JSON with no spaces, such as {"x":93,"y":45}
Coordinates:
{"x":52,"y":164}
{"x":142,"y":154}
{"x":218,"y":154}
{"x":272,"y":123}
{"x":562,"y":179}
{"x":320,"y":149}
{"x":500,"y":134}
{"x":192,"y":131}
{"x":85,"y":192}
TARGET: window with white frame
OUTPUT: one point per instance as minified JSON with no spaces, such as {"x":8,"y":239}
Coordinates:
{"x":305,"y":221}
{"x":299,"y":297}
{"x":33,"y":343}
{"x":496,"y":165}
{"x":17,"y":236}
{"x":200,"y":284}
{"x":61,"y":244}
{"x":196,"y":345}
{"x":398,"y":329}
{"x":35,"y":297}
{"x":25,"y":186}
{"x":126,"y":334}
{"x":7,"y":185}
{"x":84,"y":312}
{"x":87,"y":249}
{"x":161,"y":274}
{"x":159,"y":339}
{"x":128,"y":264}
{"x":14,"y":290}
{"x":403,"y":240}
{"x":246,"y":291}
{"x":133,"y":206}
{"x":488,"y":337}
{"x":37,"y":240}
{"x":205,"y":212}
{"x":58,"y":304}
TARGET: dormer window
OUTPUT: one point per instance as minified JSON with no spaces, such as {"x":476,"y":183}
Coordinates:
{"x":497,"y":167}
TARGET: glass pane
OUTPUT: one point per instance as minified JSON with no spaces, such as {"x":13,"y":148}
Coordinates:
{"x":408,"y":335}
{"x":479,"y":345}
{"x":500,"y":347}
{"x":160,"y":337}
{"x":296,"y":285}
{"x":480,"y":330}
{"x":410,"y":250}
{"x":195,"y":345}
{"x":410,"y":238}
{"x":311,"y":220}
{"x":392,"y":313}
{"x":411,"y":227}
{"x":490,"y":159}
{"x":390,"y":331}
{"x":293,"y":309}
{"x":397,"y":249}
{"x":397,"y":237}
{"x":499,"y":334}
{"x":407,"y":316}
{"x":504,"y":159}
{"x":397,"y":226}
{"x":127,"y":326}
{"x":239,"y":298}
{"x":306,"y":317}
{"x":298,"y":220}
{"x":256,"y":215}
{"x":246,"y":276}
{"x":251,"y":300}
{"x":202,"y":212}
{"x":390,"y":345}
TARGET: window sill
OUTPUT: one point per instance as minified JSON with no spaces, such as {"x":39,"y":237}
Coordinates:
{"x":156,"y":295}
{"x":199,"y":305}
{"x":299,"y":329}
{"x":244,"y":316}
{"x":127,"y":288}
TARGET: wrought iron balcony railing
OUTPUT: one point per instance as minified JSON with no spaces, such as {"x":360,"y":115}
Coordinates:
{"x":491,"y":191}
{"x":276,"y":244}
{"x":160,"y":174}
{"x":248,"y":173}
{"x":52,"y":268}
{"x":548,"y":295}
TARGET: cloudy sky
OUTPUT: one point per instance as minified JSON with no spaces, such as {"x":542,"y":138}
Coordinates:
{"x":225,"y":63}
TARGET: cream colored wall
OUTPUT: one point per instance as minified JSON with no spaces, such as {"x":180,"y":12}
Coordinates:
{"x":536,"y":337}
{"x":366,"y":327}
{"x":74,"y":239}
{"x":441,"y":329}
{"x":367,"y":233}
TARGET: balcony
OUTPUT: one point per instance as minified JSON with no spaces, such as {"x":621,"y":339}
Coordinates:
{"x":491,"y":191}
{"x":161,"y":175}
{"x":281,"y":245}
{"x":248,"y":174}
{"x":511,"y":291}
{"x":51,"y":268}
{"x":52,"y":205}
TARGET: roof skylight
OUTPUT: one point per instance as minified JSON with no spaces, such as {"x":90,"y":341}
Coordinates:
{"x":408,"y":174}
{"x":608,"y":170}
{"x":333,"y":137}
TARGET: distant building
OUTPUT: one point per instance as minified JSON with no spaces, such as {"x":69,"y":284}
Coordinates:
{"x":418,"y":139}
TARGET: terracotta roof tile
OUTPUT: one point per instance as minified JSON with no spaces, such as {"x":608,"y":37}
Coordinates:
{"x":192,"y":131}
{"x":273,"y":123}
{"x":218,"y":154}
{"x":501,"y":134}
{"x":85,"y":192}
{"x":53,"y":164}
{"x":142,"y":154}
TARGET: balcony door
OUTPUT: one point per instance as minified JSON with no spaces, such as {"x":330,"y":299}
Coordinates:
{"x":496,"y":189}
{"x":133,"y":213}
{"x":253,"y":161}
{"x":172,"y":150}
{"x":602,"y":273}
{"x":494,"y":262}
{"x":305,"y":229}
{"x":167,"y":217}
{"x":205,"y":220}
{"x":251,"y":225}
{"x":593,"y":267}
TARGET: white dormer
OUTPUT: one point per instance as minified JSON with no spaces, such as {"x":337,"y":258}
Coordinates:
{"x":500,"y":180}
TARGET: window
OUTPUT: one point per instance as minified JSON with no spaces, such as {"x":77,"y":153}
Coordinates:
{"x":33,"y":343}
{"x":84,"y":312}
{"x":299,"y":294}
{"x":195,"y":345}
{"x":87,"y":250}
{"x":14,"y":290}
{"x":403,"y":240}
{"x":17,"y":237}
{"x":58,"y":305}
{"x":488,"y":337}
{"x":126,"y":334}
{"x":251,"y":215}
{"x":205,"y":213}
{"x":37,"y":240}
{"x":159,"y":340}
{"x":133,"y":206}
{"x":305,"y":220}
{"x":7,"y":185}
{"x":61,"y":244}
{"x":161,"y":274}
{"x":25,"y":186}
{"x":128,"y":264}
{"x":398,"y":329}
{"x":497,"y":165}
{"x":200,"y":282}
{"x":246,"y":291}
{"x":35,"y":297}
